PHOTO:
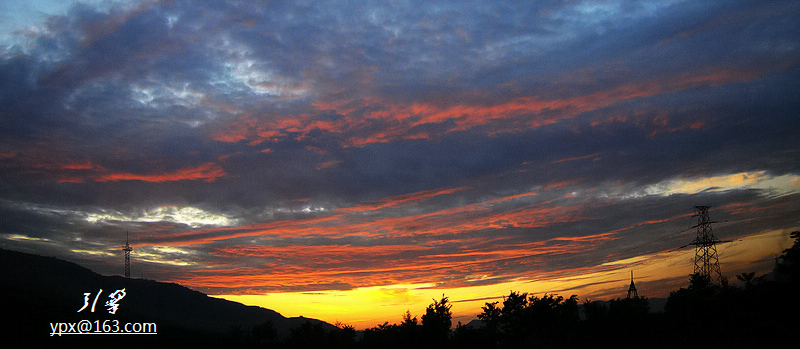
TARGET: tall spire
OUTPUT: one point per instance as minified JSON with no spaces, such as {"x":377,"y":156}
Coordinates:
{"x":632,"y":289}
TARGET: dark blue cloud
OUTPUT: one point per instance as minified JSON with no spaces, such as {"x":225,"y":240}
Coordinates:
{"x":281,"y":113}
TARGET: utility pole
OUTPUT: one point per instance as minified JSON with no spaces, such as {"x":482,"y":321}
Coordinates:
{"x":706,"y":261}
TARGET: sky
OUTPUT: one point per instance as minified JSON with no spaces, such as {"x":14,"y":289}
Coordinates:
{"x":351,"y":160}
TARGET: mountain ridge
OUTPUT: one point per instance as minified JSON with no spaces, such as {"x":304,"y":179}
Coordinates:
{"x":38,"y":290}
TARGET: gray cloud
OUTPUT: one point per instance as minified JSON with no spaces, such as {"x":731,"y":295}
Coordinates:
{"x":172,"y":117}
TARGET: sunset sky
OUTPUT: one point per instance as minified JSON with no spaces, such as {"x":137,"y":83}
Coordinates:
{"x":351,"y":160}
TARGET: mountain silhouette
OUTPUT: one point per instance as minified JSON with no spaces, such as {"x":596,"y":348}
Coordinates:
{"x":38,"y":291}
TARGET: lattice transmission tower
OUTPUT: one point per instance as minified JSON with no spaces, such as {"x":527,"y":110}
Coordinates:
{"x":706,"y":261}
{"x":127,"y":248}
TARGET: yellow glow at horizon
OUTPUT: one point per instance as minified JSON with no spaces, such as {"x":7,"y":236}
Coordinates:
{"x":20,"y":237}
{"x":191,"y":216}
{"x":168,"y":249}
{"x":780,"y":185}
{"x":93,"y":253}
{"x":370,"y":306}
{"x":156,"y":258}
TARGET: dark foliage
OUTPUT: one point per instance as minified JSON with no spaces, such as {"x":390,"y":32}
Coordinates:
{"x":436,"y":323}
{"x":705,"y":314}
{"x":524,"y":320}
{"x":787,"y":268}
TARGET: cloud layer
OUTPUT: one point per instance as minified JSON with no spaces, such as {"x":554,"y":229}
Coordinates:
{"x":254,"y":147}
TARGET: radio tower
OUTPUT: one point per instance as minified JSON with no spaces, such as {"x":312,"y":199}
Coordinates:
{"x":127,"y":248}
{"x":706,"y":262}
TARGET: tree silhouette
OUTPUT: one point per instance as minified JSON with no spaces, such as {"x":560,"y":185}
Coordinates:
{"x":409,"y":331}
{"x":465,"y":337}
{"x":265,"y":332}
{"x":694,"y":302}
{"x":787,"y":267}
{"x":628,"y":310}
{"x":437,"y":321}
{"x":595,"y":311}
{"x":525,"y":319}
{"x":344,"y":336}
{"x":514,"y":319}
{"x":552,"y":310}
{"x":491,"y":321}
{"x":404,"y":335}
{"x":315,"y":335}
{"x":382,"y":336}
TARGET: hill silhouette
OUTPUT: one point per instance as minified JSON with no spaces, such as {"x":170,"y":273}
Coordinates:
{"x":36,"y":291}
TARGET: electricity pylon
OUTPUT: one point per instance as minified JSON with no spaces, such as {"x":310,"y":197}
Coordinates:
{"x":706,"y":261}
{"x":127,"y":248}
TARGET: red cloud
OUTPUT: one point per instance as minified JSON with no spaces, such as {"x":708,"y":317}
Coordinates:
{"x":327,"y":164}
{"x":402,"y":199}
{"x":424,"y":246}
{"x":301,"y":266}
{"x":346,"y":222}
{"x":577,"y":158}
{"x":380,"y":120}
{"x":82,"y":172}
{"x":208,"y":172}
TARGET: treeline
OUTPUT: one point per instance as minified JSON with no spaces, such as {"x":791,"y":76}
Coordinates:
{"x":761,"y":313}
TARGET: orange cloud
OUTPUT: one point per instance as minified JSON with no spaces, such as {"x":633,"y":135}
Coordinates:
{"x":380,"y":120}
{"x":740,"y":208}
{"x":402,"y":199}
{"x":422,"y":246}
{"x":447,"y":245}
{"x":208,"y":172}
{"x":347,"y":222}
{"x":53,"y":167}
{"x":577,"y":158}
{"x":303,"y":266}
{"x":327,"y":164}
